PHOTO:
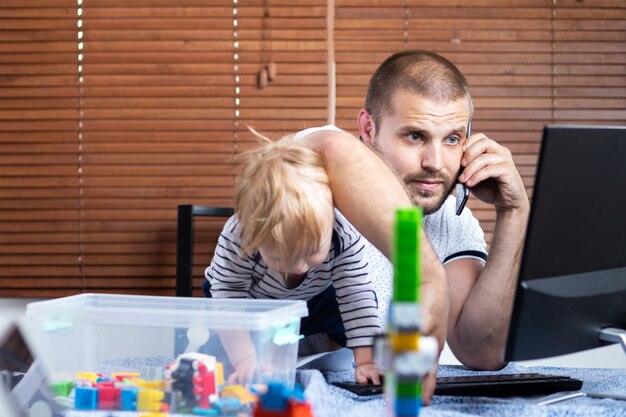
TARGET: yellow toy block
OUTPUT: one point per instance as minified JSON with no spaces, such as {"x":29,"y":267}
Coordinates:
{"x":239,"y":391}
{"x":149,"y":400}
{"x":87,"y":376}
{"x":148,"y":384}
{"x":405,"y":341}
{"x":219,"y":373}
{"x":154,"y":415}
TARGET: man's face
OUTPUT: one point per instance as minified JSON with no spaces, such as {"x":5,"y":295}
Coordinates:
{"x":421,"y":140}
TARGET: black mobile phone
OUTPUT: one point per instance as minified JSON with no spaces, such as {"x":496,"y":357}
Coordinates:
{"x":462,"y":192}
{"x":462,"y":195}
{"x":360,"y":389}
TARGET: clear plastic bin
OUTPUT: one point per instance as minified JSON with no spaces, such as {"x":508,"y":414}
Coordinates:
{"x":122,"y":333}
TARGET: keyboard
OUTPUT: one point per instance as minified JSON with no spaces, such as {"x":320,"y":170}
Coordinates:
{"x":504,"y":385}
{"x":499,"y":385}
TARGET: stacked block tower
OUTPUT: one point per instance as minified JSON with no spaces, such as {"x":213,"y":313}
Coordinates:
{"x":411,"y":355}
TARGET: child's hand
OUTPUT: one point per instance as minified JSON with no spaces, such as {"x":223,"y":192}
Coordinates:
{"x":244,"y":372}
{"x":367,"y":372}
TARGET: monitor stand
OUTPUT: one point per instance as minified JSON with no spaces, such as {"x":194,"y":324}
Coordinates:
{"x":614,"y":335}
{"x":611,"y":335}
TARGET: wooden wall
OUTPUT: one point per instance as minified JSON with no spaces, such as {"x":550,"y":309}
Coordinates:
{"x":112,"y":112}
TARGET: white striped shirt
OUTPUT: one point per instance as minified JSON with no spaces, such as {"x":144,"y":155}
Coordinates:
{"x":233,"y":275}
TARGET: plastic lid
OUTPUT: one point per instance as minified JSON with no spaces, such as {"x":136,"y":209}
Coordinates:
{"x":155,"y":311}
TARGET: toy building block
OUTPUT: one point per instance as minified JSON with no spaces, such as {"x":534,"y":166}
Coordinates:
{"x":149,"y":400}
{"x":219,"y":373}
{"x":409,"y":406}
{"x":276,"y":397}
{"x":406,"y":259}
{"x":199,"y":411}
{"x":85,"y":398}
{"x":195,"y":377}
{"x":124,"y":376}
{"x":239,"y":391}
{"x":409,"y":355}
{"x":62,"y":388}
{"x":88,"y":376}
{"x":108,"y":395}
{"x":156,"y":414}
{"x":128,"y":398}
{"x":156,"y":384}
{"x":228,"y":405}
{"x":279,"y":401}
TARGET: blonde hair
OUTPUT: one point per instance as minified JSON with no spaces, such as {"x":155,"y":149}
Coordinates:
{"x":283,"y":199}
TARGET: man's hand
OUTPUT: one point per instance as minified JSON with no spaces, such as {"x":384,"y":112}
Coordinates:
{"x":490,"y":173}
{"x":434,"y":304}
{"x":481,"y":298}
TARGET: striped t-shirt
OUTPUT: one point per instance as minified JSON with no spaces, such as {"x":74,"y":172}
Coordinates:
{"x":233,"y":275}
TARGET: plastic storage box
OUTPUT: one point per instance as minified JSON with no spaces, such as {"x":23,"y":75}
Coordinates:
{"x":122,"y":333}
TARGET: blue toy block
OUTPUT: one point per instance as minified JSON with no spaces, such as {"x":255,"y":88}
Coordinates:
{"x":85,"y":398}
{"x":129,"y":399}
{"x":228,"y":405}
{"x":406,"y":407}
{"x":298,"y":393}
{"x":276,"y":397}
{"x":199,"y":411}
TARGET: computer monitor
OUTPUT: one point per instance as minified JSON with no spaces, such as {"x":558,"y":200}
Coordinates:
{"x":571,"y":292}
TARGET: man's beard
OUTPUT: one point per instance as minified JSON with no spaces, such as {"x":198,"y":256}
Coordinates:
{"x":429,"y":201}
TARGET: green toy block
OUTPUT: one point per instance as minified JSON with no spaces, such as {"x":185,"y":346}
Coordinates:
{"x":62,"y":389}
{"x":408,"y":389}
{"x":406,"y":255}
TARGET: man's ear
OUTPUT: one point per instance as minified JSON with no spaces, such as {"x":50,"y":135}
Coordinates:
{"x":367,"y":130}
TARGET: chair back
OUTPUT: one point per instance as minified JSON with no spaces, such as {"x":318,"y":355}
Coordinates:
{"x":184,"y":242}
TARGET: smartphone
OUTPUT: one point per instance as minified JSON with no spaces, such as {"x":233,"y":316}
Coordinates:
{"x":360,"y":389}
{"x":462,"y":195}
{"x":462,"y":192}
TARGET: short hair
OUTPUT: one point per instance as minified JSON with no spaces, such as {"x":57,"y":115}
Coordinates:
{"x":420,"y":72}
{"x":283,"y":199}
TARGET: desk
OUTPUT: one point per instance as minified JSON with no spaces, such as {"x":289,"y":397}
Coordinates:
{"x":330,"y":401}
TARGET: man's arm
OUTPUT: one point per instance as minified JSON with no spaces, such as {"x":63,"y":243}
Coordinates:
{"x":367,"y":192}
{"x":481,"y":299}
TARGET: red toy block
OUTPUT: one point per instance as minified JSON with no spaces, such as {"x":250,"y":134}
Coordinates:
{"x":293,"y":409}
{"x":108,"y":396}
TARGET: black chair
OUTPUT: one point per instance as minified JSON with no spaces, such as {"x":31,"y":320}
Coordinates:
{"x":184,"y":243}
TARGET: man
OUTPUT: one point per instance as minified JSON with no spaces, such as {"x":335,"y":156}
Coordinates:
{"x":416,"y":118}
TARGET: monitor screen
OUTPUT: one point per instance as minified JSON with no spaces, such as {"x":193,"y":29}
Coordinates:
{"x":572,"y":279}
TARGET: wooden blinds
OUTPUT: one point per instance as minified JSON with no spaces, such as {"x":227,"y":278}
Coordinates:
{"x":115,"y":112}
{"x":291,"y":36}
{"x":39,"y":186}
{"x":528,"y":62}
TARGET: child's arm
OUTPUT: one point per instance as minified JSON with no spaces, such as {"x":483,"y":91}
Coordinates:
{"x":357,"y":301}
{"x":240,"y":350}
{"x":364,"y":368}
{"x":230,"y":276}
